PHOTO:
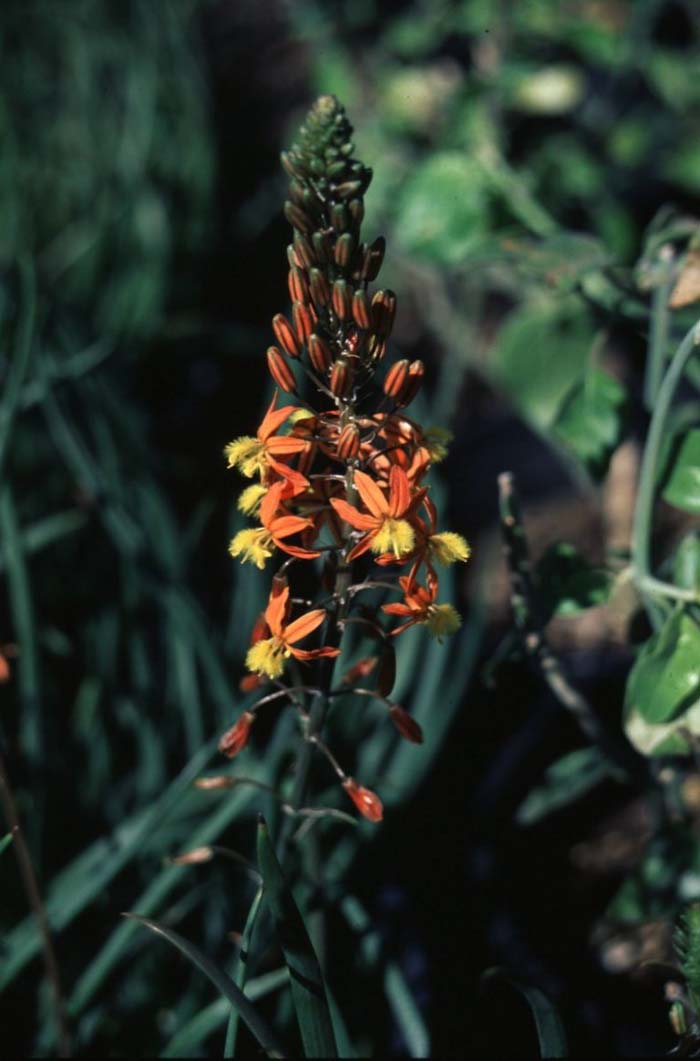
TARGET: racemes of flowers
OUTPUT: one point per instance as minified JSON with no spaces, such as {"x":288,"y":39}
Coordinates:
{"x":339,"y":475}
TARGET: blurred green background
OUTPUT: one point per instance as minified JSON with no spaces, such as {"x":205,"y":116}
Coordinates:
{"x":520,"y":151}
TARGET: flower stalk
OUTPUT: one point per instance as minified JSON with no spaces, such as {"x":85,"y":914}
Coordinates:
{"x":340,"y":476}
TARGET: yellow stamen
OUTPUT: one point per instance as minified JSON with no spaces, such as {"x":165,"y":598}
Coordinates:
{"x":249,"y":501}
{"x":442,"y":619}
{"x":267,"y":657}
{"x":247,"y":454}
{"x":437,"y":440}
{"x":253,"y":544}
{"x":394,"y":536}
{"x":448,"y":547}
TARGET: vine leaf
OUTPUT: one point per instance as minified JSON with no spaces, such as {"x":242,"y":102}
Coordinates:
{"x":682,"y":489}
{"x":591,"y":420}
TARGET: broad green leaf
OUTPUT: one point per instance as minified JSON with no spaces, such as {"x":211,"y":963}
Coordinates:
{"x":541,"y":353}
{"x":686,"y":562}
{"x":567,"y":583}
{"x":591,"y":420}
{"x":550,"y":1030}
{"x":682,"y":487}
{"x":259,"y":1028}
{"x":442,"y":209}
{"x":665,"y":678}
{"x":308,"y":988}
{"x":559,"y":261}
{"x":571,"y":776}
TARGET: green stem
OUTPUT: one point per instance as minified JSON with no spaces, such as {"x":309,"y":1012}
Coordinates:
{"x":644,"y":509}
{"x":660,"y":325}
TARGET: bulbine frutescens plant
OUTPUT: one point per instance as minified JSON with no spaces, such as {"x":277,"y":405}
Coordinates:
{"x":340,"y":475}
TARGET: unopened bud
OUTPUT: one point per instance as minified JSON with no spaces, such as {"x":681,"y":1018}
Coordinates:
{"x":304,"y":253}
{"x":297,"y":218}
{"x":235,"y":739}
{"x":323,"y":248}
{"x":213,"y":784}
{"x":280,"y":370}
{"x":339,"y":217}
{"x":319,"y":287}
{"x":250,"y":682}
{"x":319,"y":353}
{"x":293,"y":165}
{"x":348,"y":443}
{"x":416,"y":371}
{"x":383,"y":312}
{"x":407,"y":726}
{"x":285,"y":335}
{"x":344,"y":247}
{"x":361,"y":309}
{"x":193,"y":858}
{"x":374,"y":256}
{"x":356,"y":209}
{"x":341,"y":378}
{"x":395,"y":379}
{"x":342,"y":300}
{"x":298,"y":285}
{"x":362,"y":669}
{"x":376,"y":347}
{"x":347,"y":190}
{"x":304,"y":320}
{"x":366,"y":801}
{"x":676,"y":1016}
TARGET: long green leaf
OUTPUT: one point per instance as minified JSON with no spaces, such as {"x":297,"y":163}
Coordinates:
{"x":241,"y":971}
{"x":6,"y":841}
{"x":48,"y":530}
{"x":308,"y":989}
{"x":258,"y":1027}
{"x":550,"y":1031}
{"x":21,"y":357}
{"x":190,"y":1037}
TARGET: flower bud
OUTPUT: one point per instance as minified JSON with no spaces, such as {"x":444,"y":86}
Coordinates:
{"x":342,"y":300}
{"x":356,"y":209}
{"x":298,"y":285}
{"x":281,"y":370}
{"x":361,"y":309}
{"x":416,"y":371}
{"x":376,"y":348}
{"x":362,"y":669}
{"x":303,"y":251}
{"x":341,"y":378}
{"x":383,"y":312}
{"x":395,"y":379}
{"x":407,"y":726}
{"x":347,"y":190}
{"x":193,"y":858}
{"x":214,"y":783}
{"x":235,"y":739}
{"x":374,"y":256}
{"x":293,"y":165}
{"x":285,"y":336}
{"x":297,"y":218}
{"x":323,"y":248}
{"x":344,"y":247}
{"x":366,"y":801}
{"x":348,"y":443}
{"x":304,"y":320}
{"x":339,"y":217}
{"x":319,"y":287}
{"x":250,"y":682}
{"x":319,"y":354}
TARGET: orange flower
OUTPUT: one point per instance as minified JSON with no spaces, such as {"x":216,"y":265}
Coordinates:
{"x":257,"y":544}
{"x":268,"y":655}
{"x":251,"y":455}
{"x":420,"y":607}
{"x":387,"y":525}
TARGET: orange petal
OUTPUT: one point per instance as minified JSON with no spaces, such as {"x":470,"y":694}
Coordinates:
{"x":307,"y":654}
{"x":276,"y":611}
{"x":273,"y":418}
{"x":270,"y":503}
{"x":285,"y":444}
{"x":361,"y":547}
{"x":399,"y":492}
{"x":296,"y":550}
{"x":4,"y":669}
{"x":358,"y":520}
{"x":371,"y":494}
{"x":283,"y":526}
{"x":397,"y":609}
{"x":304,"y":625}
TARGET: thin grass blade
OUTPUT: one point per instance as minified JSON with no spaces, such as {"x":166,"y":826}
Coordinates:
{"x":258,"y":1027}
{"x":308,"y":988}
{"x":548,"y":1026}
